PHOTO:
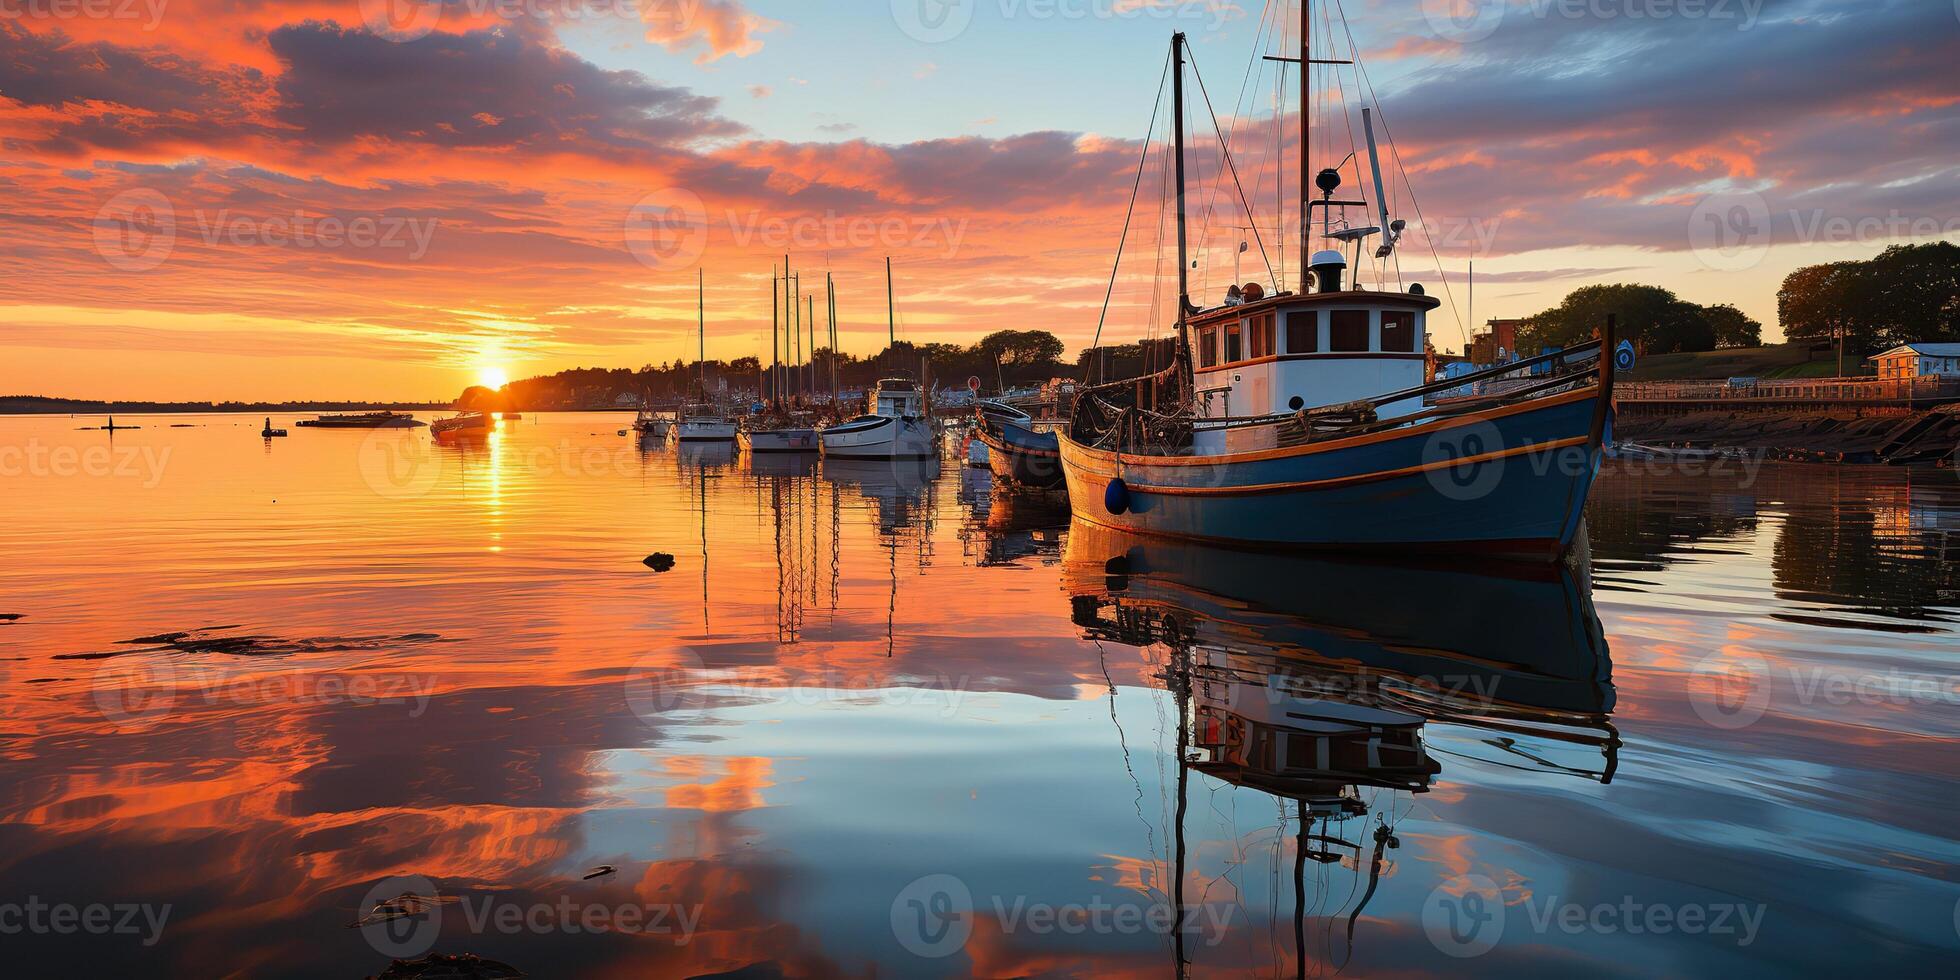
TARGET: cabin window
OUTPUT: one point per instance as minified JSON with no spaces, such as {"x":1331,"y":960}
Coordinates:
{"x":1303,"y":332}
{"x":1259,"y":334}
{"x":1399,"y":331}
{"x":1208,"y":347}
{"x":1234,"y":346}
{"x":1347,"y":330}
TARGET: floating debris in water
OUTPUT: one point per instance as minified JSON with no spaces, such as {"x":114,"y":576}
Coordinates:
{"x":659,"y":561}
{"x":599,"y":872}
{"x":10,"y":617}
{"x":210,"y":640}
{"x":465,"y":966}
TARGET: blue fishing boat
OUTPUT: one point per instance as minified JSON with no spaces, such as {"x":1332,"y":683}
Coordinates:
{"x":1307,"y":419}
{"x":1016,"y":451}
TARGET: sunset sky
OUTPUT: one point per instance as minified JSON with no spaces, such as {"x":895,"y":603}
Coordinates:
{"x":324,"y":211}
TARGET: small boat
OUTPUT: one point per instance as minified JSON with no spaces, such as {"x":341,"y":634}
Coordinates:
{"x":702,"y":423}
{"x":271,"y":433}
{"x":468,"y":423}
{"x":1016,"y":450}
{"x":361,"y":420}
{"x":776,"y":435}
{"x":897,"y":427}
{"x":651,"y":425}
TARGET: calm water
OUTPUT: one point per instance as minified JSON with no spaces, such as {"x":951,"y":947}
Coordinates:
{"x":877,"y":720}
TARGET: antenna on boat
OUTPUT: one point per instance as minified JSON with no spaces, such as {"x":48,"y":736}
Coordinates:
{"x":1391,"y":230}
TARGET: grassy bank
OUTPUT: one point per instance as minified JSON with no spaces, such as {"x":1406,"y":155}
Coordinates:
{"x":1795,"y":360}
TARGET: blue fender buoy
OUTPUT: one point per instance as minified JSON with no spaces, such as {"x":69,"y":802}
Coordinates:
{"x":1116,"y":496}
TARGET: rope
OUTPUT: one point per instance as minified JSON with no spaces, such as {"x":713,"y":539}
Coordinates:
{"x":1142,"y":162}
{"x":1225,"y":147}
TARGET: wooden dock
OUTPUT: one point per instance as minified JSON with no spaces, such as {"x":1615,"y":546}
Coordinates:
{"x":1856,"y":395}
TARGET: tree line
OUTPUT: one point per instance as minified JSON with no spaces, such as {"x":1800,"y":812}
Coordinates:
{"x":1002,"y":359}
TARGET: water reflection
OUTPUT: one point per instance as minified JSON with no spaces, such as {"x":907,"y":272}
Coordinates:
{"x":1865,"y":541}
{"x":1309,"y":681}
{"x":876,"y":672}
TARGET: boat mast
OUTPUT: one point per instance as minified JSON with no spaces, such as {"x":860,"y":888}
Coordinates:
{"x":701,"y":324}
{"x":1177,"y":112}
{"x":891,"y":314}
{"x":830,"y":304}
{"x":775,"y":335}
{"x":1306,"y":141}
{"x":810,"y":306}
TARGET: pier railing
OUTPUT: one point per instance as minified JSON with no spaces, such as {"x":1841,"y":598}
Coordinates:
{"x":1905,"y":391}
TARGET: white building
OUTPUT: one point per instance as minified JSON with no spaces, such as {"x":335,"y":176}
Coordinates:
{"x":1916,"y":360}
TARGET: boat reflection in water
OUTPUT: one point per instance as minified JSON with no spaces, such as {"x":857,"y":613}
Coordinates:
{"x":1311,"y":681}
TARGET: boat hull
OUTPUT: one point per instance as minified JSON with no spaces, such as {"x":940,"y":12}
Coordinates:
{"x":1509,"y":482}
{"x":1021,"y":455}
{"x":880,"y":437}
{"x":779,"y":441}
{"x":696,"y":430}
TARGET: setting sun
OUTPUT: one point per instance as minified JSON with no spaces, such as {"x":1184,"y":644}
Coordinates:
{"x":492,"y":377}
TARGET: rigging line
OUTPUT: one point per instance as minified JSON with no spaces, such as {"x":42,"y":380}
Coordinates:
{"x":1395,"y":154}
{"x":1245,"y":84}
{"x":1142,"y":162}
{"x":1225,"y":147}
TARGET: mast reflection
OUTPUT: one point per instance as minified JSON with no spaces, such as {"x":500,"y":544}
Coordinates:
{"x":1312,"y":680}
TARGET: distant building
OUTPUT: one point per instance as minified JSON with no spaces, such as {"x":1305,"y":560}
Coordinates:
{"x":1916,"y":360}
{"x":1500,"y":342}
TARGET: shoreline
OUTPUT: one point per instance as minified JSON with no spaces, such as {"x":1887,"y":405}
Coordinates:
{"x":1818,"y":436}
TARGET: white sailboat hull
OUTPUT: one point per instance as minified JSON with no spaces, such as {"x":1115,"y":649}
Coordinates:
{"x":705,"y":430}
{"x":797,"y":440}
{"x":880,"y":437}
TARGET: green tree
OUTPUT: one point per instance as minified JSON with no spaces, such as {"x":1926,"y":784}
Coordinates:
{"x":1656,"y":319}
{"x":1733,"y":328}
{"x":1907,"y":293}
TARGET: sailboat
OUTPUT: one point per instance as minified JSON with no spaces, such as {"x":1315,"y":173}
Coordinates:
{"x":896,"y":425}
{"x":649,"y":424}
{"x":1304,"y":419}
{"x":779,"y":430}
{"x":702,"y":421}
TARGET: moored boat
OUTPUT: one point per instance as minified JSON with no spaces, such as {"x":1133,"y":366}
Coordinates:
{"x":896,"y":428}
{"x":1016,"y":450}
{"x":778,"y":439}
{"x":1303,"y":419}
{"x":702,"y":423}
{"x":361,"y":420}
{"x":466,"y":424}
